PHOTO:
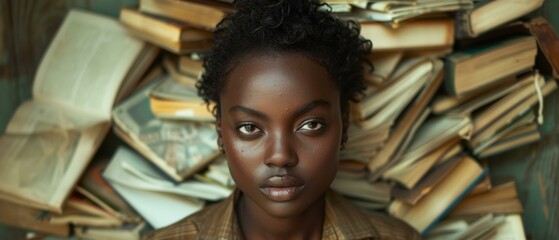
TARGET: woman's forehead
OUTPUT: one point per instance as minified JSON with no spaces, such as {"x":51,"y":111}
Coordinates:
{"x":285,"y":74}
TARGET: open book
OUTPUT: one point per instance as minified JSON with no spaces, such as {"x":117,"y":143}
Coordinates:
{"x":51,"y":138}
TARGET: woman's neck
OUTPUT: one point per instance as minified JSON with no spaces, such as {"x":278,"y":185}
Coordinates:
{"x":255,"y":223}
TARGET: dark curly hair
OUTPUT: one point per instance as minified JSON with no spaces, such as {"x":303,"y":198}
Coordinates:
{"x":286,"y":26}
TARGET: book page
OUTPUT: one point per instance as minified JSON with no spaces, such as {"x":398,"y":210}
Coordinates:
{"x":31,"y":163}
{"x":41,"y":116}
{"x":86,"y":62}
{"x":40,"y":169}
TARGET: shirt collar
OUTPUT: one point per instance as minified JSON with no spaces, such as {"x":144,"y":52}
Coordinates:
{"x":345,"y":221}
{"x":342,"y":220}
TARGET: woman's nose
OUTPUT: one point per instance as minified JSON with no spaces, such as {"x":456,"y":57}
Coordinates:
{"x":281,"y":150}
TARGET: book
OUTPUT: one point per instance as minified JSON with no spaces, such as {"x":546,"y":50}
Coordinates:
{"x":502,"y":113}
{"x":140,"y":184}
{"x":487,"y":15}
{"x":184,"y":80}
{"x":190,"y":66}
{"x":93,"y":184}
{"x":512,"y":228}
{"x":362,"y":189}
{"x":465,"y":105}
{"x":436,"y":132}
{"x":404,"y":127}
{"x":546,"y":37}
{"x":426,"y":184}
{"x":203,"y":14}
{"x":484,"y":227}
{"x":79,"y":211}
{"x":125,"y":232}
{"x":548,"y":43}
{"x":417,"y":34}
{"x":139,"y":72}
{"x":31,"y":219}
{"x":175,"y":36}
{"x":519,"y":137}
{"x":397,"y":11}
{"x":383,"y":65}
{"x":178,"y":148}
{"x":472,"y":69}
{"x":408,"y":173}
{"x":501,"y":199}
{"x":519,"y":123}
{"x":434,"y":206}
{"x":171,"y":100}
{"x":383,"y":105}
{"x":217,"y":173}
{"x":51,"y":138}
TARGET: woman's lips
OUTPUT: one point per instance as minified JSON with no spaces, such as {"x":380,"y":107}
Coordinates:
{"x":282,"y":188}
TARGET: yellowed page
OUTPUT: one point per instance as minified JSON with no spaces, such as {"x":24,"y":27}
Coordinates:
{"x":86,"y":63}
{"x":40,"y":116}
{"x":40,"y":169}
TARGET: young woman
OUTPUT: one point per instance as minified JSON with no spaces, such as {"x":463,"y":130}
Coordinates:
{"x":282,"y":74}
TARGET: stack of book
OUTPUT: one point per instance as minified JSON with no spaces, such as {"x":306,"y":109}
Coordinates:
{"x":173,"y":157}
{"x":441,"y":100}
{"x":52,"y":138}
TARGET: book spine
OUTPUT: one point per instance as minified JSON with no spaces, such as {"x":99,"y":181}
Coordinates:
{"x":449,"y":72}
{"x":463,"y":24}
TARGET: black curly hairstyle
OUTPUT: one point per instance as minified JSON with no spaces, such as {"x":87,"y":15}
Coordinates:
{"x":286,"y":26}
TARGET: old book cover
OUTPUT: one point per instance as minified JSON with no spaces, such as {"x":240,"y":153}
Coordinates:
{"x":178,"y":148}
{"x":175,"y":36}
{"x":472,"y":69}
{"x":417,"y":34}
{"x":203,"y":14}
{"x":51,"y":138}
{"x":488,"y":15}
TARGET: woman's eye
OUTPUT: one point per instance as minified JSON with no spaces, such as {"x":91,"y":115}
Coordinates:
{"x":248,"y":129}
{"x":311,"y":126}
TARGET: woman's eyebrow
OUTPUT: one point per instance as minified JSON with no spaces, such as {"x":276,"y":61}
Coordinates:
{"x":302,"y":110}
{"x":239,"y":108}
{"x":312,"y":105}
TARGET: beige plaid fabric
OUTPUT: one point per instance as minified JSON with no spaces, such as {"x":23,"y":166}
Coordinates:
{"x":343,"y":221}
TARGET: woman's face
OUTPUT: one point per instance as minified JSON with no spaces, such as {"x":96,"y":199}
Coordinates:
{"x":281,"y":127}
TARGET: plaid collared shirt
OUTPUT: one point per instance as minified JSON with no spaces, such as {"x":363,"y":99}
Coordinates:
{"x":342,"y":221}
